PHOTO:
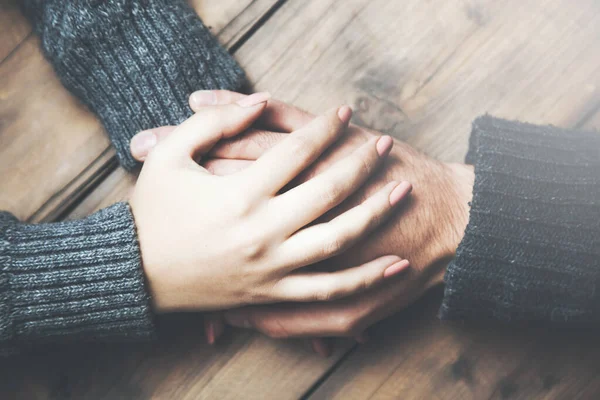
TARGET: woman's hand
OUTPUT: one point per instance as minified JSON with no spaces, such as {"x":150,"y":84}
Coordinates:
{"x":210,"y":242}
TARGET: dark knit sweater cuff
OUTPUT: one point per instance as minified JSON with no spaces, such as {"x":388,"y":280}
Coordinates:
{"x":134,"y":63}
{"x":531,"y":250}
{"x":72,"y":280}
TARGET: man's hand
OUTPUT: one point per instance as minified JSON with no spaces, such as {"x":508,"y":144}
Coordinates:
{"x":427,"y":232}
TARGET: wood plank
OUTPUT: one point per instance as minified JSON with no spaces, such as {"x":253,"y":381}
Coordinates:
{"x":420,"y":71}
{"x":52,"y":148}
{"x":400,"y":64}
{"x":14,"y":28}
{"x":540,"y":69}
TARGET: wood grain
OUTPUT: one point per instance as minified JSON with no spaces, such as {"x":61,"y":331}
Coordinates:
{"x":52,"y":149}
{"x":420,"y":70}
{"x":13,"y":27}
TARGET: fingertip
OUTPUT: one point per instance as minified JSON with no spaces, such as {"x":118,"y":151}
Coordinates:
{"x":362,"y":338}
{"x":396,"y":268}
{"x":400,"y":192}
{"x":321,"y":347}
{"x":254,"y":99}
{"x":209,"y":330}
{"x":384,"y":145}
{"x":344,"y":114}
{"x":202,"y":98}
{"x":141,"y":144}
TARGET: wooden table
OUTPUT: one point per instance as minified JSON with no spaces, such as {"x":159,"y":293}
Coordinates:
{"x":418,"y":69}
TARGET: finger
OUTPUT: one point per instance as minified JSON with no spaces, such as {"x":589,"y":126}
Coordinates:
{"x":324,"y":240}
{"x":250,"y":145}
{"x":143,"y":142}
{"x":282,"y":117}
{"x":220,"y":167}
{"x":278,"y":115}
{"x":327,"y":286}
{"x":296,"y":152}
{"x":322,"y":347}
{"x":214,"y":327}
{"x":204,"y":98}
{"x":199,"y":133}
{"x":289,"y":320}
{"x":305,"y":203}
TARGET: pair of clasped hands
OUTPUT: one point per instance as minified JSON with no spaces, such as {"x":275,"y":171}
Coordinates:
{"x":267,"y":217}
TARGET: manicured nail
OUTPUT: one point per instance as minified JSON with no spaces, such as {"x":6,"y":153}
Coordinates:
{"x":203,"y":98}
{"x":400,"y":192}
{"x":210,"y":332}
{"x":396,"y":268}
{"x":344,"y":114}
{"x":384,"y":145}
{"x":238,"y":321}
{"x":141,"y":144}
{"x":254,"y":99}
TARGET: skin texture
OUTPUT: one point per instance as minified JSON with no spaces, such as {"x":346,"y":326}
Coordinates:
{"x":212,"y":242}
{"x":427,"y":232}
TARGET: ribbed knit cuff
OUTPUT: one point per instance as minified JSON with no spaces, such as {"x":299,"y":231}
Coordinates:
{"x":531,"y":250}
{"x":133,"y":62}
{"x":72,"y":280}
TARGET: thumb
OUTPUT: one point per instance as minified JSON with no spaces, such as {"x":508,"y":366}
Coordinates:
{"x":199,"y":133}
{"x":143,"y":142}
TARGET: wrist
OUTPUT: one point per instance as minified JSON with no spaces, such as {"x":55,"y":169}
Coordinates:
{"x":462,"y":179}
{"x":456,"y":206}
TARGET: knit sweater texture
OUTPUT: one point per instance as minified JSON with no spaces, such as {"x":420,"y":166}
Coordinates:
{"x":133,"y":62}
{"x":75,"y":280}
{"x":531,"y":250}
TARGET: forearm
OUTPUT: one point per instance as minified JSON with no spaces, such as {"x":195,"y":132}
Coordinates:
{"x":530,"y":250}
{"x":76,"y":280}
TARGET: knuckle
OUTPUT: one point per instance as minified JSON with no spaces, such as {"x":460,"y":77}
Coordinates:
{"x":240,"y":207}
{"x":365,"y":165}
{"x":254,"y":249}
{"x":265,"y":140}
{"x":335,"y":245}
{"x":300,"y":146}
{"x":333,"y":192}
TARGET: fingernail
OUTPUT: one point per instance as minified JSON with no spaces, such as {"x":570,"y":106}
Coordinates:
{"x":400,"y":192}
{"x":384,"y":145}
{"x":396,"y":268}
{"x":254,"y":99}
{"x":238,"y":321}
{"x":203,"y":98}
{"x":210,"y":332}
{"x":142,"y":143}
{"x":344,"y":114}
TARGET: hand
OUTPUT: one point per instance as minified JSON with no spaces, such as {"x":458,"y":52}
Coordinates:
{"x":211,"y":242}
{"x":428,"y":233}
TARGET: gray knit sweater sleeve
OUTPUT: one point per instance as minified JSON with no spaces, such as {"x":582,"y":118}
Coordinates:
{"x":72,"y":280}
{"x":531,"y":250}
{"x":133,"y":62}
